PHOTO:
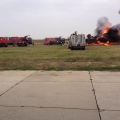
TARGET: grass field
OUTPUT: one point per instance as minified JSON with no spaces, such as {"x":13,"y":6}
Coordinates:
{"x":55,"y":57}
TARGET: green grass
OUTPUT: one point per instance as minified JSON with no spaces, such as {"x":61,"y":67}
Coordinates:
{"x":55,"y":57}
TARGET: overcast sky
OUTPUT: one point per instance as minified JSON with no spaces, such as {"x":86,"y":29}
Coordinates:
{"x":54,"y":18}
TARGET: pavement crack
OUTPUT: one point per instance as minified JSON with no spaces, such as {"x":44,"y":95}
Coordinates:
{"x":58,"y":81}
{"x":102,"y":110}
{"x":93,"y":89}
{"x":42,"y":107}
{"x":106,"y":82}
{"x":15,"y":85}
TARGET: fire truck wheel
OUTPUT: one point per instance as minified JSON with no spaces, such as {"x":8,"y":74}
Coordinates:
{"x":6,"y":45}
{"x":19,"y":44}
{"x":83,"y":48}
{"x":25,"y":44}
{"x":71,"y":48}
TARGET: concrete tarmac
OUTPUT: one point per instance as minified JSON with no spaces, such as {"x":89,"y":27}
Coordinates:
{"x":59,"y":95}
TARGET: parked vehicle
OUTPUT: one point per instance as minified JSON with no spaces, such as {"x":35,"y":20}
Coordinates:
{"x":19,"y":41}
{"x":3,"y":42}
{"x":50,"y":41}
{"x":77,"y":41}
{"x":56,"y":40}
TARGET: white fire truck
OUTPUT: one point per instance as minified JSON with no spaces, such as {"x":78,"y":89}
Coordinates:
{"x":77,"y":41}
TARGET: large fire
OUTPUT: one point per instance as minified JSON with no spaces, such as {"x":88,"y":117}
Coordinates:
{"x":106,"y":34}
{"x":101,"y":39}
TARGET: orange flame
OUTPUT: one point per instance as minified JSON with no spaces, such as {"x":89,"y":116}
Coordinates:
{"x":107,"y":43}
{"x":102,"y":43}
{"x":105,"y":30}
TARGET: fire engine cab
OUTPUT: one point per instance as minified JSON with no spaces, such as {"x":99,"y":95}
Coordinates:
{"x":3,"y":42}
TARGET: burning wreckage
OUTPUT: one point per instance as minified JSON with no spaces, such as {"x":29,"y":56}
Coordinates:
{"x":105,"y":33}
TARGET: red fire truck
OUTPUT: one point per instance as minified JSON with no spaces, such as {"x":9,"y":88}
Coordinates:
{"x":19,"y":41}
{"x":56,"y":40}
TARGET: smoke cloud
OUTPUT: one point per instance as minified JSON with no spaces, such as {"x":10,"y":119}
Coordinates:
{"x":102,"y":23}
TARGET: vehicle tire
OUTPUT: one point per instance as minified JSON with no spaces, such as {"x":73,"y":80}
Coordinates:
{"x":50,"y":43}
{"x":19,"y":44}
{"x":25,"y":44}
{"x":6,"y":45}
{"x":83,"y":48}
{"x":3,"y":44}
{"x":71,"y":48}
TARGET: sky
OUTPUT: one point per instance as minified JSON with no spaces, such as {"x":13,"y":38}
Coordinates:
{"x":54,"y":18}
